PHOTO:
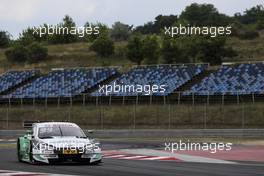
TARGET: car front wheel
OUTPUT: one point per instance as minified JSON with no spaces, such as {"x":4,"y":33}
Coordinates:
{"x":19,"y":157}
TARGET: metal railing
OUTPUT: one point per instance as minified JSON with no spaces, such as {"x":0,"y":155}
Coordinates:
{"x":140,"y":112}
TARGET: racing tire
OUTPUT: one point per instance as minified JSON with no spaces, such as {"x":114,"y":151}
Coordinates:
{"x":19,"y":157}
{"x":96,"y":162}
{"x":31,"y":159}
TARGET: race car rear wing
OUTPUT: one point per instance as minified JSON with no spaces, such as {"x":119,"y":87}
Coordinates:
{"x":29,"y":123}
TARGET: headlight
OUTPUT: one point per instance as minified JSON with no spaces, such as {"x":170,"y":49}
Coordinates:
{"x":88,"y":148}
{"x":96,"y":143}
{"x":92,"y":147}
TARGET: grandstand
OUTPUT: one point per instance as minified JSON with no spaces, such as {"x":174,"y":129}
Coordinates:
{"x":242,"y":79}
{"x":229,"y":79}
{"x":11,"y":79}
{"x":173,"y":76}
{"x":197,"y":96}
{"x":63,"y":83}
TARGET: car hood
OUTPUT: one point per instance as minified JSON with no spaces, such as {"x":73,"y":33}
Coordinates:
{"x":66,"y":141}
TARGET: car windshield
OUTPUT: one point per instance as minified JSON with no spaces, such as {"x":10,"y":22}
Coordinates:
{"x":60,"y":130}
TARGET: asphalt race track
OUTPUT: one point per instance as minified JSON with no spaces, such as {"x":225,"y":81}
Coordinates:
{"x":116,"y":167}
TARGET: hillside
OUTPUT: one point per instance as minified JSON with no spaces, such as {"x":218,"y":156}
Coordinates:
{"x":248,"y":50}
{"x":79,"y":55}
{"x":68,"y":55}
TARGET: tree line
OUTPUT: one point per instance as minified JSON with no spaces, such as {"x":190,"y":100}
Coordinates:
{"x":146,"y":43}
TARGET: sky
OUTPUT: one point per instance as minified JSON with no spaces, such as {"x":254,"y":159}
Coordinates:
{"x":16,"y":15}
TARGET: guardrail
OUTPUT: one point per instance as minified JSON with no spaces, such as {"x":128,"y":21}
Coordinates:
{"x":146,"y":133}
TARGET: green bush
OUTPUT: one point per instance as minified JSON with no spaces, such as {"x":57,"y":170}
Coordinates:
{"x":120,"y":31}
{"x":213,"y":50}
{"x":103,"y":46}
{"x":103,"y":31}
{"x":260,"y":25}
{"x":171,"y":52}
{"x":135,"y":49}
{"x":18,"y":54}
{"x":21,"y":54}
{"x":120,"y":50}
{"x":4,"y":39}
{"x":248,"y":35}
{"x":37,"y":53}
{"x":151,"y":49}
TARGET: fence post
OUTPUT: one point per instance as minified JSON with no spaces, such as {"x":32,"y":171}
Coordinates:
{"x":71,"y":102}
{"x":96,"y":101}
{"x":208,"y":98}
{"x":83,"y":99}
{"x":253,"y":98}
{"x":7,"y":117}
{"x":9,"y":102}
{"x":123,"y":101}
{"x":192,"y":98}
{"x":69,"y":117}
{"x":150,"y":99}
{"x":110,"y":100}
{"x":223,"y":99}
{"x":46,"y":102}
{"x":34,"y":102}
{"x":58,"y":102}
{"x":243,"y":115}
{"x":169,"y":115}
{"x":237,"y":98}
{"x":179,"y":97}
{"x":21,"y":102}
{"x":69,"y":109}
{"x":222,"y":108}
{"x":205,"y":116}
{"x":164,"y":100}
{"x":134,"y":116}
{"x":101,"y":117}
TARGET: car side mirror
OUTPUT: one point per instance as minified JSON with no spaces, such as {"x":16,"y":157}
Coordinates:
{"x":90,"y":131}
{"x":29,"y":132}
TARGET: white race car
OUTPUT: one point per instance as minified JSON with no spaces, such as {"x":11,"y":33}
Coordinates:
{"x":50,"y":142}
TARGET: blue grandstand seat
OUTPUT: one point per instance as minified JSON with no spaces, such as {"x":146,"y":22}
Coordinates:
{"x":63,"y":83}
{"x":232,"y":79}
{"x":172,"y":77}
{"x":11,"y":79}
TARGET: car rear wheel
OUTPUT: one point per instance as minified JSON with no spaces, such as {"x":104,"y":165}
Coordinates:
{"x":19,"y":157}
{"x":96,"y":162}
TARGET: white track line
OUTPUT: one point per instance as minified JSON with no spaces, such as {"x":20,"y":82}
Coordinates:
{"x":115,"y":156}
{"x":134,"y":157}
{"x":109,"y":154}
{"x":157,"y":158}
{"x":17,"y":173}
{"x":139,"y":157}
{"x":182,"y":157}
